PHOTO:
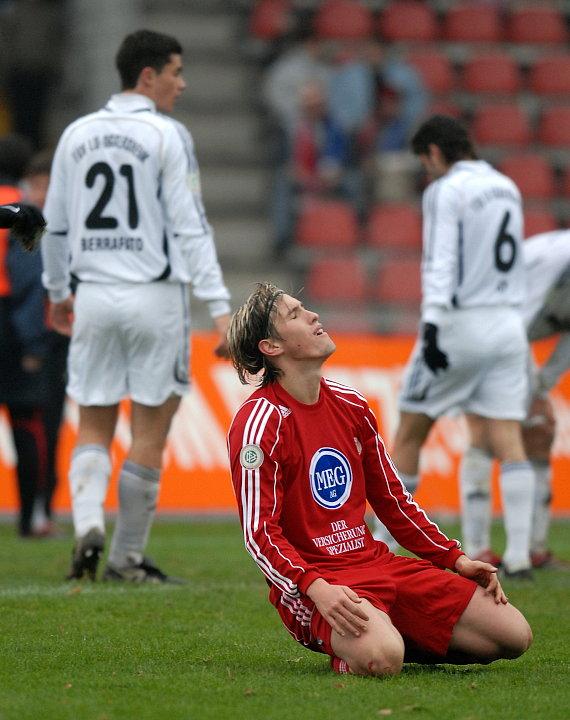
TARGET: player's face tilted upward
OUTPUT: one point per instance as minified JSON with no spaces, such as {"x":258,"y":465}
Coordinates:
{"x":302,"y":336}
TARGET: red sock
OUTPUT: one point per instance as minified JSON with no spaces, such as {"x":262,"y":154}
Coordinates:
{"x":339,"y":666}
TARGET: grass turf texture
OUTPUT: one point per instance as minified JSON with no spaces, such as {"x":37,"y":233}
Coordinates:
{"x":215,"y":648}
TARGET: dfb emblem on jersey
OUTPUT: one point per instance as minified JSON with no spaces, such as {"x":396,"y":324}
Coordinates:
{"x":251,"y":457}
{"x":330,"y":475}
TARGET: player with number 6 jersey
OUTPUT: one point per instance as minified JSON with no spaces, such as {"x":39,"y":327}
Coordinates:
{"x":472,"y":349}
{"x":126,"y":222}
{"x":473,"y":229}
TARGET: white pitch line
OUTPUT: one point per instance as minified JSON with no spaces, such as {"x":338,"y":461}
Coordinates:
{"x":72,"y":590}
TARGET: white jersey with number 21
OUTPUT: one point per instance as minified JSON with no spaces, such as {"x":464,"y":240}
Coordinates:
{"x":124,"y":202}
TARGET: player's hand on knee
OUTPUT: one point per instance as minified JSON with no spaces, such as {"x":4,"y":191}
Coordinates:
{"x":340,"y":607}
{"x":495,"y":590}
{"x":484,"y":574}
{"x":434,"y":358}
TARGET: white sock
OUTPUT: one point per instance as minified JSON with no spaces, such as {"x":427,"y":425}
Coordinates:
{"x":517,"y":489}
{"x":138,"y":495}
{"x":379,"y":530}
{"x":88,"y":479}
{"x":39,"y":517}
{"x":475,"y":485}
{"x":541,"y":510}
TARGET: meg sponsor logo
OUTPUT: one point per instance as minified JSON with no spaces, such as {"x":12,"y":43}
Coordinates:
{"x":330,"y":476}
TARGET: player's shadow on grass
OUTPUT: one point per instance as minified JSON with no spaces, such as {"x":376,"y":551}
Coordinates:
{"x":412,"y":669}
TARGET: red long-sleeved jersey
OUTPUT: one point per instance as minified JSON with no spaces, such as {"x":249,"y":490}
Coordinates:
{"x":302,"y":475}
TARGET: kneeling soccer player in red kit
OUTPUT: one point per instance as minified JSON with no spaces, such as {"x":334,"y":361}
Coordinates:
{"x":305,"y":457}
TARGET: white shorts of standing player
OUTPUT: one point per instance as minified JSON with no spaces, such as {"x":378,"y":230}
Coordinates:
{"x":131,"y":340}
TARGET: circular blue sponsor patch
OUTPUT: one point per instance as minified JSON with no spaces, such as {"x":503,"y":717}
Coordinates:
{"x":330,"y":475}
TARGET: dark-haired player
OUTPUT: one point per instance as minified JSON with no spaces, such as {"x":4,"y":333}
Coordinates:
{"x":126,"y":220}
{"x":472,"y":348}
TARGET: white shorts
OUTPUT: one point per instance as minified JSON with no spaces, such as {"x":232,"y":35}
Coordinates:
{"x":487,"y":375}
{"x":129,"y":340}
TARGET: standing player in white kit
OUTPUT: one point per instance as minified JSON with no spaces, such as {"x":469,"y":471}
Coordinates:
{"x":126,"y":221}
{"x":472,"y":349}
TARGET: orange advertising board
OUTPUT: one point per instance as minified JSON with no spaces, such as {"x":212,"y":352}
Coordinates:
{"x":196,"y":477}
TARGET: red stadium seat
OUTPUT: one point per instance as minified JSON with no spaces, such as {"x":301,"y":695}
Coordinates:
{"x":554,"y":126}
{"x":538,"y":220}
{"x":270,"y":19}
{"x":408,"y":20}
{"x":472,"y":22}
{"x":541,"y":23}
{"x":550,"y":75}
{"x":343,"y":19}
{"x":495,"y":72}
{"x":435,"y":69}
{"x":340,"y":280}
{"x":445,"y":107}
{"x":399,"y":281}
{"x":501,"y":125}
{"x":395,"y":226}
{"x":327,"y":223}
{"x":533,"y":175}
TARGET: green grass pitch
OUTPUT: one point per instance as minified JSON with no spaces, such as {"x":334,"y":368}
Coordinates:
{"x":215,"y":648}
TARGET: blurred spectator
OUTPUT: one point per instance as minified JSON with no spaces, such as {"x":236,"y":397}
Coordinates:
{"x":351,"y":87}
{"x":23,"y":345}
{"x":401,"y":101}
{"x":34,"y":190}
{"x":319,"y":145}
{"x":396,"y":78}
{"x":351,"y":98}
{"x":32,"y":41}
{"x":317,"y":162}
{"x":300,"y":64}
{"x":32,"y":359}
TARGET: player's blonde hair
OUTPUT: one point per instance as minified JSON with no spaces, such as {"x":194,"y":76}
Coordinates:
{"x":252,"y":322}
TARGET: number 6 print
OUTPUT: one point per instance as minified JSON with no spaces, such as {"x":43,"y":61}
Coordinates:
{"x":504,"y":239}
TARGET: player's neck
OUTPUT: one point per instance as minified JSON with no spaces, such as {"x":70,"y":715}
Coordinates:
{"x":303,"y":385}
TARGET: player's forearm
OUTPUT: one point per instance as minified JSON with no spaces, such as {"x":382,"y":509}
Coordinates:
{"x":409,"y":525}
{"x":440,"y":247}
{"x":258,"y":492}
{"x":216,"y":296}
{"x":205,"y":274}
{"x":278,"y":560}
{"x":437,"y":288}
{"x":56,"y":275}
{"x":413,"y":530}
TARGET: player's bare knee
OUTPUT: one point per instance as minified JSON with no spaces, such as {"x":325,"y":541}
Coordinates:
{"x":386,"y":664}
{"x":518,"y":640}
{"x":382,"y":659}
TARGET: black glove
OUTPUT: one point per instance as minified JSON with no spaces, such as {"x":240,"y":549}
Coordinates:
{"x":434,"y":358}
{"x":26,"y":221}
